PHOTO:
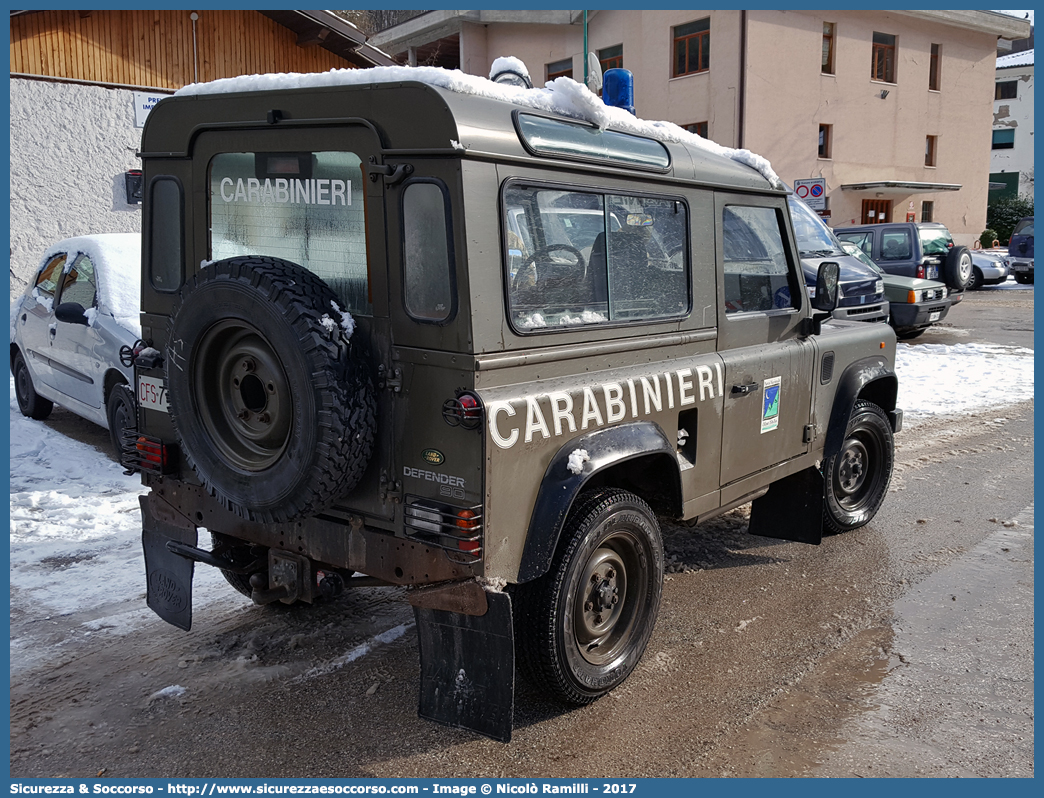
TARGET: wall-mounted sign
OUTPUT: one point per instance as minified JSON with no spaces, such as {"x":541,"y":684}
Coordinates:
{"x":143,"y":103}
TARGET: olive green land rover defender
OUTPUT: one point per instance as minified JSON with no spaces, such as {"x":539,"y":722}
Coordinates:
{"x":402,"y":334}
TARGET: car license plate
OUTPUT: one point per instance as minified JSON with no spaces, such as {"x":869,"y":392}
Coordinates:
{"x":932,"y":272}
{"x":935,"y":316}
{"x":152,"y":393}
{"x":1021,"y":267}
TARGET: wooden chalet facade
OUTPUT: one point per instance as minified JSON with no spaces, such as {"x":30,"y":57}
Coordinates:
{"x":168,"y":49}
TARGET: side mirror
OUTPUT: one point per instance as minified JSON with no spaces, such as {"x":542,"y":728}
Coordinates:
{"x":827,"y":286}
{"x":71,"y":313}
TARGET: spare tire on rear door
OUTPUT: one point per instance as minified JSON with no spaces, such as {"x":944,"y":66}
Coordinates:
{"x":271,"y":398}
{"x":958,"y":268}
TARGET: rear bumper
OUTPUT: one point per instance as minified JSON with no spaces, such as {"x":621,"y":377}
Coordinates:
{"x":1021,"y":266}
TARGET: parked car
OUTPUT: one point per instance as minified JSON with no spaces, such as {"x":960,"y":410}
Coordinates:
{"x":913,"y":249}
{"x":862,"y":294}
{"x":915,"y":304}
{"x":861,"y":288}
{"x":988,"y":268}
{"x":1020,"y":250}
{"x":74,"y":329}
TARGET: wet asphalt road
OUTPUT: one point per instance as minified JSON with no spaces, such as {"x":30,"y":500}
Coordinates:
{"x":902,"y":649}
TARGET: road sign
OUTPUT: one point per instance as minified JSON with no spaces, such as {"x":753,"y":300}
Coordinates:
{"x":812,"y":192}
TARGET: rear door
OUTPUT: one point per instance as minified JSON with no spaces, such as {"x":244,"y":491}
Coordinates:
{"x":76,"y":368}
{"x":310,"y":196}
{"x":768,"y":365}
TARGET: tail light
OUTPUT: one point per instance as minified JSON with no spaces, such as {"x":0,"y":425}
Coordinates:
{"x":469,"y":522}
{"x":146,"y":454}
{"x":464,"y":410}
{"x":920,"y":271}
{"x":456,"y":530}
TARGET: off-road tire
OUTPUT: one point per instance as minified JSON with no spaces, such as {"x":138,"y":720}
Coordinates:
{"x":611,"y":540}
{"x":121,"y":413}
{"x":29,"y":401}
{"x":958,"y":268}
{"x":856,"y":478}
{"x":272,"y":402}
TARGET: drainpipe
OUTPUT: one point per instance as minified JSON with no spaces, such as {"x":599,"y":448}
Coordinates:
{"x":742,"y":78}
{"x":585,"y":48}
{"x":195,"y":52}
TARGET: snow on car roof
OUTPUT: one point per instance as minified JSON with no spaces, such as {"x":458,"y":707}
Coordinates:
{"x":118,"y":257}
{"x":563,"y":96}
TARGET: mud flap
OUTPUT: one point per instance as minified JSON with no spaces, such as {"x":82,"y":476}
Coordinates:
{"x":168,"y":575}
{"x":792,"y":509}
{"x":468,"y":668}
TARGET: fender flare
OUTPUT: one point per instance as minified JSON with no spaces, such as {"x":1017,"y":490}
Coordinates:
{"x":560,"y":486}
{"x":871,"y":377}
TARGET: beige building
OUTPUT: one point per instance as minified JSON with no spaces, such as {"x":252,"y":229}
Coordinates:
{"x":893,"y":109}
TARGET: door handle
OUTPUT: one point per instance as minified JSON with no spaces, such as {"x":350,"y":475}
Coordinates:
{"x":743,"y":390}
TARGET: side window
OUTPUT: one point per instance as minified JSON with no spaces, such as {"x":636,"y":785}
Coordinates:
{"x":165,"y":227}
{"x":577,"y":258}
{"x":78,"y":284}
{"x":756,"y":272}
{"x":47,"y":280}
{"x":426,"y":256}
{"x":305,"y":207}
{"x":862,"y":240}
{"x":895,"y":245}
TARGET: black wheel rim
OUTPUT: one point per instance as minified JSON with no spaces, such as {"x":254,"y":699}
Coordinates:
{"x":609,"y":598}
{"x":242,"y":395}
{"x":857,"y":472}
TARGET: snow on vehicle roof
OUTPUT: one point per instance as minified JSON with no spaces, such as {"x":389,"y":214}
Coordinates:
{"x":563,"y":96}
{"x":118,"y":257}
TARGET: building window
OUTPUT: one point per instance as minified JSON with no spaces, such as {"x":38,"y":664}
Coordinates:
{"x":1004,"y":139}
{"x":825,"y":132}
{"x":560,"y":69}
{"x":699,"y":128}
{"x":1006,"y":90}
{"x":882,"y":64}
{"x":927,"y":211}
{"x":691,"y":48}
{"x":933,"y":67}
{"x":930,"y":150}
{"x":611,"y":58}
{"x":828,"y":48}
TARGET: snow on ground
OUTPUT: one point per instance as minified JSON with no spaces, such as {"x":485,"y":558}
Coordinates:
{"x":76,"y":527}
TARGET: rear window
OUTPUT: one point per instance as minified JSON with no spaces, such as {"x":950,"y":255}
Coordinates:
{"x":1024,"y":228}
{"x":935,"y":240}
{"x":304,"y":207}
{"x":576,"y":258}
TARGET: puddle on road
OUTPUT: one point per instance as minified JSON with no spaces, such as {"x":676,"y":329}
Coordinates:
{"x":949,"y":707}
{"x":789,"y":736}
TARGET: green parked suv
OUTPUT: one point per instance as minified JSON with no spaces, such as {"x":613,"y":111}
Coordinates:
{"x":480,"y":357}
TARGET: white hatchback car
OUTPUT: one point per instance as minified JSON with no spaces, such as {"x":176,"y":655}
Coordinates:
{"x":74,"y":330}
